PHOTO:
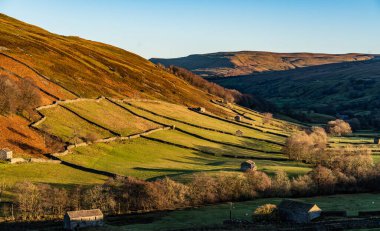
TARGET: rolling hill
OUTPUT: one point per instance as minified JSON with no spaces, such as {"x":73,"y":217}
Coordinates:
{"x":227,"y":64}
{"x":142,"y":126}
{"x":67,"y":67}
{"x":348,"y":89}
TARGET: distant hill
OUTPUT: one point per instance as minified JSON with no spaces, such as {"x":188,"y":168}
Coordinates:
{"x":227,"y":64}
{"x":350,"y":89}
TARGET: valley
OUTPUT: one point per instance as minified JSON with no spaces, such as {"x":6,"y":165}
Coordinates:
{"x":89,"y":126}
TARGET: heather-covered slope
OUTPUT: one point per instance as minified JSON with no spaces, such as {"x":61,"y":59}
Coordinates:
{"x":66,"y":67}
{"x":227,"y":64}
{"x":71,"y":67}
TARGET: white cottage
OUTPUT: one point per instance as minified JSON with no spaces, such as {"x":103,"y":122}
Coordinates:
{"x":6,"y":154}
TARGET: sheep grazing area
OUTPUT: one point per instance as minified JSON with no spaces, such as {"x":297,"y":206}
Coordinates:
{"x":194,"y":143}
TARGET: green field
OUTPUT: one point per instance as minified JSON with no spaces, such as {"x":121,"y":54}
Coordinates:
{"x":177,"y":137}
{"x":111,"y":116}
{"x":147,"y":159}
{"x":56,"y":174}
{"x":47,"y":173}
{"x":184,"y":114}
{"x":216,"y":214}
{"x":232,"y":139}
{"x":68,"y":126}
{"x":203,"y":145}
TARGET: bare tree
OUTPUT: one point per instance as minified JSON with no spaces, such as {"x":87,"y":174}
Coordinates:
{"x":339,"y":127}
{"x":267,"y":118}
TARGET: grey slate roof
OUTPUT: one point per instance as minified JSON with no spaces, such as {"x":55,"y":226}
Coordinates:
{"x":84,"y":213}
{"x":296,"y":206}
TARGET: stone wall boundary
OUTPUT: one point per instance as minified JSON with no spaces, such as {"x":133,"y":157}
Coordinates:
{"x":197,"y":126}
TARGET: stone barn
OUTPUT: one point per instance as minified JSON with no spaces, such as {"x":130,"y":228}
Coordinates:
{"x":298,"y":211}
{"x":376,"y":140}
{"x":200,"y":109}
{"x":238,"y":118}
{"x":74,"y":220}
{"x":239,"y":133}
{"x":6,"y":154}
{"x":248,"y":165}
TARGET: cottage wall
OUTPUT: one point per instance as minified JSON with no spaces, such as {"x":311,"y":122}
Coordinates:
{"x":314,"y":214}
{"x":72,"y":224}
{"x":5,"y":154}
{"x":297,"y":217}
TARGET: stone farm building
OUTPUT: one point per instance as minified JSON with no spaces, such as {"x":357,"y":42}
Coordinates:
{"x":298,"y":211}
{"x":5,"y":154}
{"x":248,"y":165}
{"x":83,"y":218}
{"x":238,"y":118}
{"x":200,"y":109}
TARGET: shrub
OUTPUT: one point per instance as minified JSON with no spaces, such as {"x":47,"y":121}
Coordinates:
{"x":281,"y":184}
{"x":307,"y":147}
{"x":339,"y":127}
{"x":267,"y":212}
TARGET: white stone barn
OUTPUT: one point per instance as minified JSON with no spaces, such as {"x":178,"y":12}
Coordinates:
{"x":6,"y":154}
{"x":74,"y":220}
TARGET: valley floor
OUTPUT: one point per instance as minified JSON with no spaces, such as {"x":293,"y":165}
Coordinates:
{"x":216,"y":214}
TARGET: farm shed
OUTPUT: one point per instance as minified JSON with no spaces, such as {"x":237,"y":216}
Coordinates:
{"x":248,"y":165}
{"x":376,"y":140}
{"x":298,"y":211}
{"x":238,"y":118}
{"x":83,"y":218}
{"x":6,"y":154}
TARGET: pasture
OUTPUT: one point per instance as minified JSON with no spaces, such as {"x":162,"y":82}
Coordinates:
{"x":146,"y":159}
{"x":216,"y":214}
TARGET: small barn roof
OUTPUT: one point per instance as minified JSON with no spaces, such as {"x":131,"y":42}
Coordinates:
{"x":6,"y":150}
{"x":84,"y":213}
{"x":298,"y":206}
{"x":249,"y":162}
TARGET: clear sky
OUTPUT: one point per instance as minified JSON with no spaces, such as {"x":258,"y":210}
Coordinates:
{"x":173,"y":28}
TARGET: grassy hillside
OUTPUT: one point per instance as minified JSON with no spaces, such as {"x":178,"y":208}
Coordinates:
{"x":227,"y":64}
{"x":66,"y":67}
{"x":79,"y":65}
{"x":199,"y":142}
{"x":346,"y":88}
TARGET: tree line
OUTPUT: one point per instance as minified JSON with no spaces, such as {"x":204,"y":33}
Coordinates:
{"x":228,"y":95}
{"x":344,"y":173}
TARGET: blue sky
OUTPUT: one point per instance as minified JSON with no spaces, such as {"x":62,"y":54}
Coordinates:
{"x":173,"y":28}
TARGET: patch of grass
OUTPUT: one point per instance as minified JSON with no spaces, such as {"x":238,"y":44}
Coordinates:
{"x":211,"y":134}
{"x":68,"y":126}
{"x":184,"y":114}
{"x":216,"y":214}
{"x":111,"y":116}
{"x":147,"y":159}
{"x":47,"y":173}
{"x":207,"y":146}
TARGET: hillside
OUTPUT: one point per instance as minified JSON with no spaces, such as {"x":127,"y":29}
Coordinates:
{"x":227,"y":64}
{"x":349,"y":89}
{"x":66,"y":67}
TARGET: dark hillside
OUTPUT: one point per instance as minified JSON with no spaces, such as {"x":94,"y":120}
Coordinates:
{"x":348,"y":89}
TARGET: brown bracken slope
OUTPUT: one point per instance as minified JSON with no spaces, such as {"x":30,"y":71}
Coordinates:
{"x":66,"y":67}
{"x":227,"y":64}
